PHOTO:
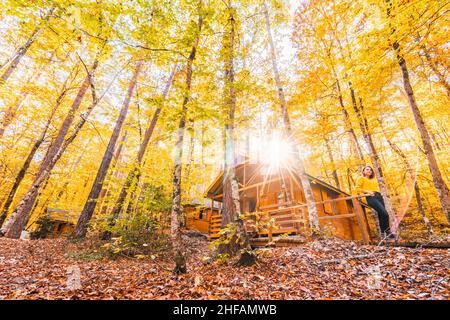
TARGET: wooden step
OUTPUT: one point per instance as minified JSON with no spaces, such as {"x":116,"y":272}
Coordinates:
{"x":278,"y":241}
{"x":278,"y":231}
{"x":281,"y":220}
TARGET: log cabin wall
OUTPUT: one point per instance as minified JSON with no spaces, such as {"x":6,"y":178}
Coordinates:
{"x":199,"y":218}
{"x":281,"y":194}
{"x":345,"y":228}
{"x":61,"y":229}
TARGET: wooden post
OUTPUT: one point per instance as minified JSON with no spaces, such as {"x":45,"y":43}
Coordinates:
{"x":305,"y":223}
{"x":295,"y":217}
{"x":291,"y":188}
{"x":349,"y":222}
{"x":361,"y":221}
{"x":257,"y":198}
{"x":210,"y":217}
{"x":270,"y":229}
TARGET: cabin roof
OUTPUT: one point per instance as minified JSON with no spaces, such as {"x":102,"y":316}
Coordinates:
{"x":216,"y":189}
{"x":61,"y":215}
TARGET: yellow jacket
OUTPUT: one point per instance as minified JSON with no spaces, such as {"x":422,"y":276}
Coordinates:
{"x":365,"y":184}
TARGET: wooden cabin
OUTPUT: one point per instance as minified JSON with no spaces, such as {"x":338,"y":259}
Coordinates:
{"x":267,"y":194}
{"x":58,"y":223}
{"x":201,"y":218}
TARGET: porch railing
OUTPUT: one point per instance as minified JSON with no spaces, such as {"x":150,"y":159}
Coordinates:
{"x":294,"y":218}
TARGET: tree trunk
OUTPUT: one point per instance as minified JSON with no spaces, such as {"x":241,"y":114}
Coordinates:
{"x":410,"y":172}
{"x":134,"y":174}
{"x":231,"y":210}
{"x":348,"y":126}
{"x":24,"y":169}
{"x":14,"y":225}
{"x":11,"y":112}
{"x":372,"y":153}
{"x":439,"y":183}
{"x":30,"y":157}
{"x":180,"y":260}
{"x":86,"y":214}
{"x":330,"y":156}
{"x":434,"y":66}
{"x":105,"y":194}
{"x":191,"y":151}
{"x":421,"y":209}
{"x":300,"y":167}
{"x":22,"y":51}
{"x":35,"y":216}
{"x":231,"y":206}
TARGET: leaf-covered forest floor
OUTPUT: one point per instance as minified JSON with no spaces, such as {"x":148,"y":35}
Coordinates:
{"x":322,"y":269}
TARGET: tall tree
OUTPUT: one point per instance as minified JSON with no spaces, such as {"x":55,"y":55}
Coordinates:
{"x":134,"y":174}
{"x":439,"y":183}
{"x":357,"y":150}
{"x":21,"y":174}
{"x":105,"y":194}
{"x":312,"y":209}
{"x":373,"y":153}
{"x":180,"y":259}
{"x":333,"y":165}
{"x":20,"y":53}
{"x":11,"y":112}
{"x":231,"y":209}
{"x":409,"y":171}
{"x":14,"y":225}
{"x":86,"y":214}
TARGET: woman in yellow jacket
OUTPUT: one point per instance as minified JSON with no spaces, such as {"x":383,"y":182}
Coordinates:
{"x":368,"y":186}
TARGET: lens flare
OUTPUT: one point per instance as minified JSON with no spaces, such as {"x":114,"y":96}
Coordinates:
{"x":277,"y":152}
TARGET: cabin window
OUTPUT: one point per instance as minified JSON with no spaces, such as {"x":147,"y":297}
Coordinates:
{"x":59,"y":227}
{"x":201,"y":214}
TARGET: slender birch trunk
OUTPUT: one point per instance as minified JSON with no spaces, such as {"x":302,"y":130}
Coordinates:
{"x":191,"y":150}
{"x":355,"y":146}
{"x":180,"y":260}
{"x":312,"y":209}
{"x":231,"y":209}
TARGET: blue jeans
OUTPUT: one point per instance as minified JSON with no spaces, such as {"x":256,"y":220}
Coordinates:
{"x":376,"y":202}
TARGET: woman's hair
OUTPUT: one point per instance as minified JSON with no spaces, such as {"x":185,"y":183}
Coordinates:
{"x":371,"y":175}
